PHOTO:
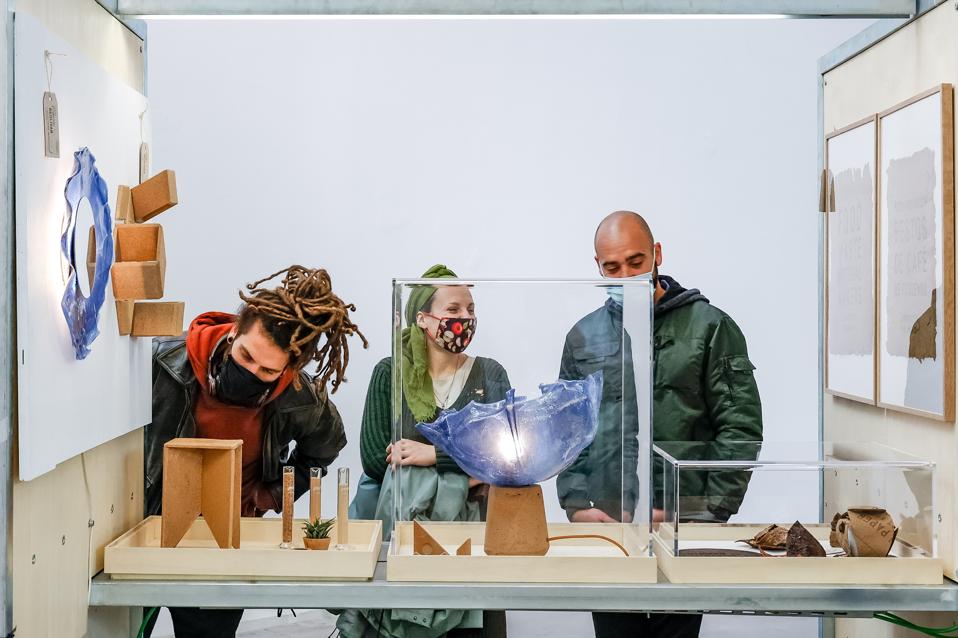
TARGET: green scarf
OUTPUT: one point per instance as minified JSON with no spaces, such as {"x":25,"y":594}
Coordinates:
{"x":416,"y":382}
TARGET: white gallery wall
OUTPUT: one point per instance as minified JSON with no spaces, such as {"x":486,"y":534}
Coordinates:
{"x":376,"y":148}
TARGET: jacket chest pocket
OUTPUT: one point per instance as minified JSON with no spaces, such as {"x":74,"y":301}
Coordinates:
{"x":605,"y":356}
{"x":677,"y":365}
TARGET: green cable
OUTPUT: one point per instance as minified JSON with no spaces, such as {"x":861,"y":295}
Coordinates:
{"x":146,"y":619}
{"x":939,"y":632}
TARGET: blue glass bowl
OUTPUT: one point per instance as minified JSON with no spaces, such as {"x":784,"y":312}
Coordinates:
{"x":521,"y":441}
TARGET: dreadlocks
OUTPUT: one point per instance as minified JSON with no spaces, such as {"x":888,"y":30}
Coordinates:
{"x":297,"y":314}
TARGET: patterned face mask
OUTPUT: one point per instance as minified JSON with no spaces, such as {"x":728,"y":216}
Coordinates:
{"x":454,"y":333}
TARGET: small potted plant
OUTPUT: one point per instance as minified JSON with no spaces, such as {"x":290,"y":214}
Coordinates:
{"x":316,"y":533}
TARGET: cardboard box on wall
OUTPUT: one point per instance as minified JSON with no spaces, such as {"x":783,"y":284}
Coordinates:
{"x":154,"y":196}
{"x":139,"y":271}
{"x":90,"y":258}
{"x":124,"y":205}
{"x":124,"y":317}
{"x":158,"y":319}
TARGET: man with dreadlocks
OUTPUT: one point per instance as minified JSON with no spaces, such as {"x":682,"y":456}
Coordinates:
{"x":243,"y":377}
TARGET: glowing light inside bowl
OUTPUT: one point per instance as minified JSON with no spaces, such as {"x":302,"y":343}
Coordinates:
{"x":521,"y":441}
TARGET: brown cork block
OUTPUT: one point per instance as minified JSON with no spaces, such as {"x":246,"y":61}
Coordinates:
{"x":139,"y":269}
{"x":124,"y":205}
{"x":157,"y":319}
{"x":202,"y":477}
{"x":516,"y":522}
{"x":124,"y":317}
{"x":91,"y":257}
{"x":154,"y":196}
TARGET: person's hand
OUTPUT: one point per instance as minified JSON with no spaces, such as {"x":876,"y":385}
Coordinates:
{"x":658,"y":516}
{"x":406,"y":452}
{"x":474,"y":482}
{"x":626,"y":517}
{"x":592,"y":516}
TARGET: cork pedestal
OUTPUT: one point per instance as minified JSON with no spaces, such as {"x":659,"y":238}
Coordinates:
{"x":202,"y":476}
{"x":516,"y":522}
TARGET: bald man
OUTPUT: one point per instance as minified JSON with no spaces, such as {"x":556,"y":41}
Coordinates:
{"x":704,"y":390}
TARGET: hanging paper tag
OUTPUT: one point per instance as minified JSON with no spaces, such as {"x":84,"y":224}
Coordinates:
{"x":144,"y":162}
{"x":51,"y":125}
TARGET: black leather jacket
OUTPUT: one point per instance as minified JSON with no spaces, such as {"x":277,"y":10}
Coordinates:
{"x":305,"y":416}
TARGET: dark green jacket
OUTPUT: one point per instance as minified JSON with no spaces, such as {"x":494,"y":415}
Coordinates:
{"x":306,"y":416}
{"x":703,"y":390}
{"x":487,"y":383}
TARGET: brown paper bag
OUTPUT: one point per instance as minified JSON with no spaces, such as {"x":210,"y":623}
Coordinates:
{"x":870,"y":531}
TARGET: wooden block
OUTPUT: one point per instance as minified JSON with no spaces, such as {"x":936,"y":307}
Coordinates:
{"x":154,"y":196}
{"x":516,"y":522}
{"x":465,"y":549}
{"x":222,"y":469}
{"x":124,"y":205}
{"x":182,"y":482}
{"x":424,"y":544}
{"x":139,"y":242}
{"x":204,"y":444}
{"x":139,"y":269}
{"x":157,"y":319}
{"x":202,"y":476}
{"x":91,"y":257}
{"x":124,"y":317}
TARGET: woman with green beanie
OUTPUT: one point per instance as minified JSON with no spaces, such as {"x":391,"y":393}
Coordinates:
{"x":437,"y":375}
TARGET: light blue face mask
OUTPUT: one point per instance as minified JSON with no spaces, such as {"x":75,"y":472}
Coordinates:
{"x":616,"y":293}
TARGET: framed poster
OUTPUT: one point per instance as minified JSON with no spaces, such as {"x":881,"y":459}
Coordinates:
{"x":850,"y":234}
{"x":916,"y":345}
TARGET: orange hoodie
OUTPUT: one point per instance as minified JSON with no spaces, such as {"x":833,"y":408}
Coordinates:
{"x":218,"y":420}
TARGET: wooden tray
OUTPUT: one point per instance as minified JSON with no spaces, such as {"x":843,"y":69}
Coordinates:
{"x":568,"y":561}
{"x":137,"y":554}
{"x":906,"y":567}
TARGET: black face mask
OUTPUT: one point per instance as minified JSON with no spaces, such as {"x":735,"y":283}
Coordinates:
{"x":235,"y":385}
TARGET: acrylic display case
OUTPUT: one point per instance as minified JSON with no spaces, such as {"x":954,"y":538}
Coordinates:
{"x":866,"y":514}
{"x":540,"y":431}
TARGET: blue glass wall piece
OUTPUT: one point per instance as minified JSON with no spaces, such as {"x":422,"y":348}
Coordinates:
{"x":521,"y":441}
{"x":82,"y":313}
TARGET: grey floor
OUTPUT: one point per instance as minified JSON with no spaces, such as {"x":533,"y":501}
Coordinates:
{"x":522,"y":624}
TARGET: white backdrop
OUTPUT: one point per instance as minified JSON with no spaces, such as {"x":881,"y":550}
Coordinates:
{"x":66,"y":406}
{"x":377,"y":148}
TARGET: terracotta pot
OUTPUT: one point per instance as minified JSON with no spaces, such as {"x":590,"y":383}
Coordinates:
{"x":316,"y":543}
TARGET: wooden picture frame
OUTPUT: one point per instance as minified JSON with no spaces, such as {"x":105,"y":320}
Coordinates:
{"x":916,"y":256}
{"x":851,"y":234}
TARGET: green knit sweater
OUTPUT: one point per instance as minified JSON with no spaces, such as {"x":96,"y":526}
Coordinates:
{"x":486,"y":383}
